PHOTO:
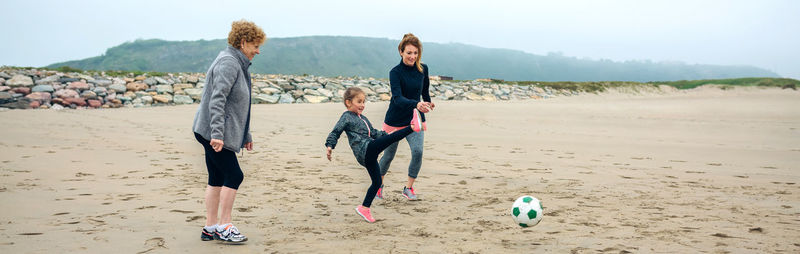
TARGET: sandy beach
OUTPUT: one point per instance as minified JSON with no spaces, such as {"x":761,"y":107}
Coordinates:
{"x":704,"y":170}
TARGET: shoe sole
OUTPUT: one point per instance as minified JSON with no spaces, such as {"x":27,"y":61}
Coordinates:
{"x":412,"y":199}
{"x":362,"y":216}
{"x":419,"y":121}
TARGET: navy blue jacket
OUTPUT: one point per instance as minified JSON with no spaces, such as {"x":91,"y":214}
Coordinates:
{"x":408,"y":85}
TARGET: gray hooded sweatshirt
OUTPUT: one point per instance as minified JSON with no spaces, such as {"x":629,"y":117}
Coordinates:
{"x":224,"y":111}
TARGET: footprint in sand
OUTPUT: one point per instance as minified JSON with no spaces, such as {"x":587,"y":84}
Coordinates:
{"x":154,"y":244}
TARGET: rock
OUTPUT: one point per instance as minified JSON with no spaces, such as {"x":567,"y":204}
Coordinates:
{"x":194,"y":93}
{"x":162,"y":89}
{"x":382,"y":90}
{"x":95,"y":103}
{"x":270,"y":90}
{"x":150,"y":81}
{"x":192,"y":79}
{"x":57,"y":107}
{"x":78,"y":85}
{"x":163,"y":98}
{"x":21,"y":90}
{"x":297,"y":93}
{"x":135,"y":86}
{"x":473,"y":96}
{"x":182,"y":99}
{"x":315,"y":98}
{"x":147,"y":99}
{"x":161,"y":80}
{"x":67,"y":80}
{"x":5,"y":97}
{"x":39,"y":96}
{"x":489,"y":97}
{"x":325,"y":92}
{"x":48,"y":80}
{"x":35,"y":104}
{"x":100,"y":91}
{"x":119,"y":88}
{"x":286,"y":98}
{"x":22,"y":103}
{"x":4,"y":75}
{"x":43,"y":88}
{"x":449,"y":94}
{"x":101,"y":82}
{"x":385,"y":96}
{"x":19,"y":80}
{"x":368,"y":91}
{"x":88,"y":95}
{"x":66,"y":93}
{"x":4,"y":88}
{"x":266,"y":98}
{"x":80,"y":102}
{"x":181,"y":86}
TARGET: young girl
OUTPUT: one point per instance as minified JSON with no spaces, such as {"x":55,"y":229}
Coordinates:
{"x":365,"y":141}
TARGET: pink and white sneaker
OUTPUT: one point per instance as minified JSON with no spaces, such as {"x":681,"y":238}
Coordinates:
{"x":416,"y":121}
{"x":364,"y":212}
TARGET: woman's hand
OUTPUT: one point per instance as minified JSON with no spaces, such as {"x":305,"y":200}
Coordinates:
{"x":248,"y":146}
{"x":329,"y":153}
{"x":216,"y":144}
{"x":423,"y":107}
{"x":431,"y":105}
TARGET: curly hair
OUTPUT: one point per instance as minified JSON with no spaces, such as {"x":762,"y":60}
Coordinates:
{"x":247,"y":31}
{"x":409,"y":38}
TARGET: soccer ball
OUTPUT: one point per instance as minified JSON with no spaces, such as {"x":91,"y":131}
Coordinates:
{"x":527,"y":211}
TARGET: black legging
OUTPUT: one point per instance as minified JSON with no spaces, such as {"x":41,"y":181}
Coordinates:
{"x":374,"y":148}
{"x":223,"y":167}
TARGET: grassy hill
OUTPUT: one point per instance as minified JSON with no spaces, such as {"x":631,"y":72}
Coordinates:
{"x":374,"y":57}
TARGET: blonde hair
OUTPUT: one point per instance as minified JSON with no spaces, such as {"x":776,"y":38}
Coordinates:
{"x":350,"y":93}
{"x":410,"y":39}
{"x":247,"y":31}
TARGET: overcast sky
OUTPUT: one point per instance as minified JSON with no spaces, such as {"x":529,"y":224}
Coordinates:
{"x":761,"y":33}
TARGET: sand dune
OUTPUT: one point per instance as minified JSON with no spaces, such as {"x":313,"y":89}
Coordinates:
{"x":687,"y":171}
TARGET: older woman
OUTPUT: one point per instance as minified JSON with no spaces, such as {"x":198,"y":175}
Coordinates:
{"x":222,"y":126}
{"x":409,"y":81}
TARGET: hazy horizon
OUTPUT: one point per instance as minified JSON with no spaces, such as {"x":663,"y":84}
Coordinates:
{"x":761,"y":34}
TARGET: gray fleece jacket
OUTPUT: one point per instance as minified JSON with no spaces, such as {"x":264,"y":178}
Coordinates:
{"x":224,"y":111}
{"x":359,"y":132}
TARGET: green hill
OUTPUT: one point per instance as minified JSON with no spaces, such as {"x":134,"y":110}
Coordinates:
{"x":374,"y":57}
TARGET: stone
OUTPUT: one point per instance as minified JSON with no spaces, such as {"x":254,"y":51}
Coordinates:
{"x":163,"y":98}
{"x":315,"y":98}
{"x":21,"y":90}
{"x":43,"y":88}
{"x":4,"y":75}
{"x":48,"y":80}
{"x":161,"y":80}
{"x":181,"y":86}
{"x":297,"y":93}
{"x":270,"y":90}
{"x":80,"y":102}
{"x":150,"y":81}
{"x":22,"y":103}
{"x":182,"y":99}
{"x":147,"y":99}
{"x":88,"y":95}
{"x":100,"y":91}
{"x":368,"y":91}
{"x":162,"y":89}
{"x":78,"y":85}
{"x":489,"y":97}
{"x":286,"y":98}
{"x":194,"y":93}
{"x":4,"y":88}
{"x":19,"y":80}
{"x":66,"y":93}
{"x":266,"y":98}
{"x":473,"y":96}
{"x":119,"y":88}
{"x":101,"y":82}
{"x":192,"y":79}
{"x":325,"y":92}
{"x":385,"y":97}
{"x":135,"y":86}
{"x":67,"y":80}
{"x":39,"y":96}
{"x":35,"y":104}
{"x":57,"y":107}
{"x":449,"y":94}
{"x":95,"y":103}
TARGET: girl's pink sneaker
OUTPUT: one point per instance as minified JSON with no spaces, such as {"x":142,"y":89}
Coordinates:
{"x":364,"y":212}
